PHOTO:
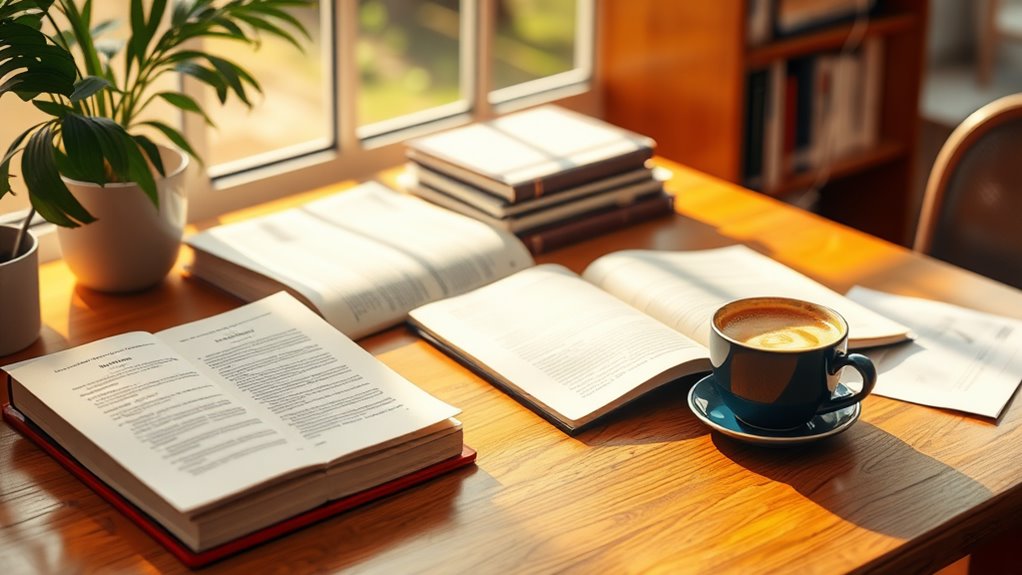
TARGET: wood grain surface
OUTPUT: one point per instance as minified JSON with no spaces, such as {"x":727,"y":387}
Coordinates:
{"x":907,"y":489}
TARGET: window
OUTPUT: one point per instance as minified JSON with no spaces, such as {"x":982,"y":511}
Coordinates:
{"x":374,"y":73}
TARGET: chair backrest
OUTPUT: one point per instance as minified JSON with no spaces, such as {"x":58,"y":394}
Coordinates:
{"x":972,"y":209}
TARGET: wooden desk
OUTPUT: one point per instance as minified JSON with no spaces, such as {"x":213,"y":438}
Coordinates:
{"x":908,"y":488}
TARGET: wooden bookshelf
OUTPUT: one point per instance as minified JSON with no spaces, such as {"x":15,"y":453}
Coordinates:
{"x":677,"y":72}
{"x":832,"y":38}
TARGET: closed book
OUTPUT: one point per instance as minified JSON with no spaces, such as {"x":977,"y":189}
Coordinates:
{"x":546,"y":215}
{"x":587,"y":226}
{"x":755,"y":117}
{"x":802,"y":71}
{"x":532,"y":153}
{"x":500,"y":208}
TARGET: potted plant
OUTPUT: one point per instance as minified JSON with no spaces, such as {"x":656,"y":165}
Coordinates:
{"x":93,"y":159}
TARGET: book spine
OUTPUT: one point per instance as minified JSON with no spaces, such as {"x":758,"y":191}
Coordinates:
{"x":560,"y":235}
{"x":755,"y":113}
{"x":572,"y":177}
{"x":759,"y":22}
{"x":873,"y":72}
{"x":773,"y":138}
{"x":802,"y":69}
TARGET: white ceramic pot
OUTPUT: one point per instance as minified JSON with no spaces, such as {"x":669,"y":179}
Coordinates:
{"x":132,"y":244}
{"x":20,"y":321}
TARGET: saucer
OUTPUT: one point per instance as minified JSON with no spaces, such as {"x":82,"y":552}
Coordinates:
{"x":705,"y":401}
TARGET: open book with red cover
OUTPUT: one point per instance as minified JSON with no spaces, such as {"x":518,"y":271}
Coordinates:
{"x":222,"y":433}
{"x":196,"y":559}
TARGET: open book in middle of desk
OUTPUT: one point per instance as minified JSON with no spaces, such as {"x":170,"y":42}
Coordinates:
{"x":574,"y":348}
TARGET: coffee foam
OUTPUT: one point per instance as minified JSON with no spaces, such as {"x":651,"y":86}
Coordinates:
{"x":778,"y":327}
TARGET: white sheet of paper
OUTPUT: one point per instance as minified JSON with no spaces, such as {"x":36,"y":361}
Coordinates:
{"x":961,"y":359}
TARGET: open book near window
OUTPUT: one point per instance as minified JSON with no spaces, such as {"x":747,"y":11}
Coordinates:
{"x":575,"y":348}
{"x":224,"y":431}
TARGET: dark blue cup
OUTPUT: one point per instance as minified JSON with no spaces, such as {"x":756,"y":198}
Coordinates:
{"x":777,"y":361}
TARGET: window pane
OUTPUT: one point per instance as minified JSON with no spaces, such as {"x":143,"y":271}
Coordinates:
{"x":408,"y":57}
{"x":294,"y":108}
{"x":534,"y":39}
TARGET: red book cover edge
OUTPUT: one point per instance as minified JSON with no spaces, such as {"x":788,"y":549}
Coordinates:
{"x":194,"y":559}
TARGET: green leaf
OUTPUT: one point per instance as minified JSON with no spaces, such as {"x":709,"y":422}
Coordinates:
{"x":37,"y":66}
{"x":123,"y":155}
{"x":88,"y":86}
{"x":81,"y":146}
{"x":234,"y":76}
{"x":283,"y":16}
{"x":53,"y":108}
{"x":153,"y":152}
{"x":104,"y":26}
{"x":80,"y":22}
{"x":109,"y":147}
{"x":174,"y":136}
{"x":233,"y":29}
{"x":186,"y":104}
{"x":67,"y":37}
{"x":47,"y":192}
{"x":139,"y":33}
{"x":5,"y":163}
{"x":109,"y":48}
{"x":272,"y":29}
{"x":206,"y":76}
{"x":138,"y":168}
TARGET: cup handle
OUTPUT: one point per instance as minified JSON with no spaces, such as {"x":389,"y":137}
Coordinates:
{"x":865,"y":367}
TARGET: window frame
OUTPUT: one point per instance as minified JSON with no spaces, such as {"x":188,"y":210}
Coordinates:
{"x":360,"y":152}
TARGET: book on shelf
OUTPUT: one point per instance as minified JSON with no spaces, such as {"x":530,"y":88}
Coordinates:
{"x":218,"y":434}
{"x":575,"y":348}
{"x":546,"y":213}
{"x":755,"y":125}
{"x":759,"y":22}
{"x":806,"y":113}
{"x":532,"y":153}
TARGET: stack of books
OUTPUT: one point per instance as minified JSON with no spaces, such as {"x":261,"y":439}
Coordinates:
{"x":549,"y":175}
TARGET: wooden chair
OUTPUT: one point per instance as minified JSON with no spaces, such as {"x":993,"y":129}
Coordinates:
{"x":972,"y":208}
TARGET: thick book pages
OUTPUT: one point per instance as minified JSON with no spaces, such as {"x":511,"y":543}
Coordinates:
{"x":532,"y":153}
{"x":560,"y":345}
{"x":498,"y":207}
{"x":560,"y":234}
{"x":528,"y":221}
{"x":197,"y":559}
{"x":683,"y":289}
{"x":224,"y":426}
{"x":361,"y":258}
{"x":575,"y":348}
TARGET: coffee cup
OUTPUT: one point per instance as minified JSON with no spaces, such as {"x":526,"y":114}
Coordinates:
{"x":777,"y":361}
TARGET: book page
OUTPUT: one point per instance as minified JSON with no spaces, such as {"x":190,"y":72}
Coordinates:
{"x":366,"y":256}
{"x":961,"y":359}
{"x":558,"y":341}
{"x":330,"y":396}
{"x":157,"y":416}
{"x":683,"y":289}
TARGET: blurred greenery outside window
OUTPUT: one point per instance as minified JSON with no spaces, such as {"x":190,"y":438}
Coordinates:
{"x":411,"y":56}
